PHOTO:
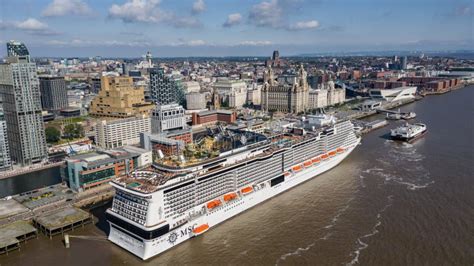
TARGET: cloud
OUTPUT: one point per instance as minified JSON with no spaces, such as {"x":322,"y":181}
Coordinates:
{"x":31,"y":26}
{"x":254,"y":43}
{"x":198,"y":7}
{"x":97,"y":43}
{"x":232,"y":20}
{"x":149,"y":11}
{"x":274,"y":14}
{"x":185,"y":22}
{"x":304,"y":25}
{"x":266,"y":14}
{"x":138,"y":11}
{"x":463,"y":11}
{"x":59,"y":8}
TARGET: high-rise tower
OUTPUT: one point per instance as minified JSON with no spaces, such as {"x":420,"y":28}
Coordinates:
{"x":20,"y":91}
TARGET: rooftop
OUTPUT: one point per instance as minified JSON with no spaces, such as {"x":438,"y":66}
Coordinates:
{"x":10,"y":232}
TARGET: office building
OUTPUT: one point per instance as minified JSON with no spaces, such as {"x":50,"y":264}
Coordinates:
{"x":85,"y":171}
{"x":289,"y":95}
{"x":121,"y":132}
{"x":167,"y":117}
{"x":119,"y":98}
{"x":53,"y":93}
{"x":165,"y":89}
{"x":318,"y":99}
{"x":226,"y":86}
{"x":195,"y":101}
{"x":191,"y":86}
{"x":403,"y":63}
{"x":17,"y":49}
{"x":5,"y":161}
{"x":20,"y":91}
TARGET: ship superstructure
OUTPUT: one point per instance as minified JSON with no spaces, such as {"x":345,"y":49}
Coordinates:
{"x":176,"y":199}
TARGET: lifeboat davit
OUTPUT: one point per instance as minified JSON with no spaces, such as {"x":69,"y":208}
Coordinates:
{"x":324,"y":156}
{"x":200,"y":229}
{"x":332,"y":153}
{"x":212,"y":204}
{"x":230,"y":196}
{"x":316,"y":160}
{"x":246,"y":190}
{"x":340,"y":150}
{"x":307,"y":163}
{"x":296,"y":168}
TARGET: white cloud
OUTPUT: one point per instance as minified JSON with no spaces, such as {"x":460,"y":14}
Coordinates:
{"x":31,"y":24}
{"x":232,"y":20}
{"x":254,"y":43}
{"x":149,"y":11}
{"x":66,"y":7}
{"x":304,"y":25}
{"x":198,"y":6}
{"x":266,"y":14}
{"x":138,"y":11}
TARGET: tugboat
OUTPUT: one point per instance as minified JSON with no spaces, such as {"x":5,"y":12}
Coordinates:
{"x":409,"y":132}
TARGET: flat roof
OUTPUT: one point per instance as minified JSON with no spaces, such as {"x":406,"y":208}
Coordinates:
{"x":11,"y":207}
{"x":10,"y":232}
{"x":63,"y":217}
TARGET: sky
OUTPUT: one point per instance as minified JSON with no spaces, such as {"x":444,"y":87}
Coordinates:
{"x":168,"y":28}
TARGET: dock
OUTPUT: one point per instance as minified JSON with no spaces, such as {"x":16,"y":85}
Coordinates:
{"x":13,"y":234}
{"x":61,"y":221}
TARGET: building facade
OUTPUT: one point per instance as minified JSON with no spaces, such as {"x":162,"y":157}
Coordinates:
{"x":164,"y":89}
{"x":20,"y":91}
{"x":121,"y":132}
{"x":5,"y":161}
{"x":119,"y":98}
{"x":283,"y":96}
{"x":195,"y":101}
{"x":53,"y":93}
{"x":167,"y":117}
{"x":89,"y":170}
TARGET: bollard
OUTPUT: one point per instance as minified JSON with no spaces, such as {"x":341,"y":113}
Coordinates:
{"x":66,"y":240}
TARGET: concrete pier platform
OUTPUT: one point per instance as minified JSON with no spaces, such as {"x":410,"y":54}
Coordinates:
{"x":13,"y":234}
{"x":61,"y":221}
{"x":11,"y":207}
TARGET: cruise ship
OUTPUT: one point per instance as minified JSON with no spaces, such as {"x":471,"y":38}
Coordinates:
{"x":180,"y":197}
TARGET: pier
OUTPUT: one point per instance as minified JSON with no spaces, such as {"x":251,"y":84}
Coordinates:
{"x":13,"y":234}
{"x":61,"y":221}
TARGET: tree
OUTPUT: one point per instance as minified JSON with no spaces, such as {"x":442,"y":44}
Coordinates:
{"x":72,"y":131}
{"x":52,"y":134}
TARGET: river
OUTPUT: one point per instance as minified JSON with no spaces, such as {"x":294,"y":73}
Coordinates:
{"x":388,"y":203}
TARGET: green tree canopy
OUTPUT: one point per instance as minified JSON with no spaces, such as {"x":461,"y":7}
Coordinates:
{"x":52,"y":134}
{"x":73,"y":131}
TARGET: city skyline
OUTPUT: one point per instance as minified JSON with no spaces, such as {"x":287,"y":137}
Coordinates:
{"x":128,"y":28}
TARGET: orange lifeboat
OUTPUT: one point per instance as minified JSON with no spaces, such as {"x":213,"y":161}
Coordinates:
{"x":296,"y":168}
{"x":213,"y":204}
{"x":307,"y":163}
{"x":200,"y":229}
{"x":340,"y":150}
{"x":316,"y":160}
{"x":324,"y":156}
{"x":246,"y":190}
{"x":230,"y":196}
{"x":287,"y":173}
{"x":332,"y":153}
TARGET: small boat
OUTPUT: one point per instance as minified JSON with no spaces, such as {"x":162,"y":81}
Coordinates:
{"x":408,"y":116}
{"x":393,"y":116}
{"x":287,"y":174}
{"x":408,"y":132}
{"x":199,"y":230}
{"x":332,"y":153}
{"x":324,"y":156}
{"x":307,"y":163}
{"x":230,"y":196}
{"x":340,"y":150}
{"x":213,"y":204}
{"x":246,"y":190}
{"x":316,"y":160}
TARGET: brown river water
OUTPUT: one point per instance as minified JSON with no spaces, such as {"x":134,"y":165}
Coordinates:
{"x":388,"y":203}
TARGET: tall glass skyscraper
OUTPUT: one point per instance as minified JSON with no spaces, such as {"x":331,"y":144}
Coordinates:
{"x":20,"y":92}
{"x":165,"y":89}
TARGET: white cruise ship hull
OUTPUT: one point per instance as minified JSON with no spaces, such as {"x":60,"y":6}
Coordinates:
{"x":146,"y":249}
